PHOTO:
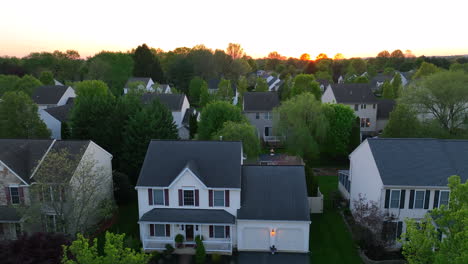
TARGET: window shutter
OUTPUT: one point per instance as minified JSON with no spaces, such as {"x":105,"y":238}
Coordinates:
{"x":1,"y":229}
{"x":150,"y":196}
{"x":426,"y":200}
{"x":210,"y":198}
{"x":226,"y":198}
{"x":168,"y":230}
{"x":387,"y":198}
{"x":151,"y":229}
{"x":197,"y":198}
{"x":21,"y":194}
{"x":436,"y":199}
{"x":211,"y":231}
{"x":7,"y":193}
{"x":180,"y":198}
{"x":399,"y":229}
{"x":411,"y":199}
{"x":228,"y":231}
{"x":166,"y":197}
{"x":402,"y":199}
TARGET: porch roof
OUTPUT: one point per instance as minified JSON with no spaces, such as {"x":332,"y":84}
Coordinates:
{"x":202,"y":216}
{"x":9,"y":215}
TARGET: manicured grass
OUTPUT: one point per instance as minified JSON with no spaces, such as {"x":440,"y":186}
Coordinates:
{"x":330,"y":241}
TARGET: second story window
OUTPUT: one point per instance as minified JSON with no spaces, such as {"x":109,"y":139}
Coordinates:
{"x":14,"y":195}
{"x":257,"y":115}
{"x":158,"y":197}
{"x":267,"y":116}
{"x":363,"y":106}
{"x":218,"y":198}
{"x":444,"y":198}
{"x":189,"y":198}
{"x":419,"y":199}
{"x":356,"y":107}
{"x":373,"y":106}
{"x":395,"y":199}
{"x":365,"y":122}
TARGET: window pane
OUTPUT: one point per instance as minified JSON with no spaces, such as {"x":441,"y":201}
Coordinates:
{"x":218,"y":198}
{"x":14,"y":192}
{"x":419,"y":200}
{"x":160,"y":230}
{"x":189,"y":197}
{"x":158,"y":197}
{"x":444,"y":198}
{"x":395,"y":199}
{"x":219,"y":231}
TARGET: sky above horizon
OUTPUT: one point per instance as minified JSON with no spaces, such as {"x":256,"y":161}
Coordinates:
{"x":359,"y":28}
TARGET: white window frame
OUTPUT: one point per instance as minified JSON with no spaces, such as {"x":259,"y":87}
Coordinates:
{"x":224,"y":198}
{"x":440,"y":198}
{"x":363,"y":106}
{"x":366,"y":120}
{"x":224,"y":231}
{"x":163,"y":196}
{"x":183,"y":196}
{"x":164,"y":230}
{"x":270,"y":129}
{"x":267,"y":116}
{"x":391,"y":195}
{"x":11,"y":194}
{"x":423,"y":200}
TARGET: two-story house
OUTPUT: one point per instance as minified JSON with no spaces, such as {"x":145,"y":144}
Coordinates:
{"x":258,"y":108}
{"x":202,"y":188}
{"x":406,"y":177}
{"x":359,"y":97}
{"x":22,"y":159}
{"x":52,"y":96}
{"x":179,"y":105}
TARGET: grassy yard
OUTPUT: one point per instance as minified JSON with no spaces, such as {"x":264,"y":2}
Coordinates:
{"x":330,"y":241}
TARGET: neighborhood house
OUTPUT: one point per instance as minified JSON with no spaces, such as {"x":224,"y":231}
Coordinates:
{"x":258,"y":108}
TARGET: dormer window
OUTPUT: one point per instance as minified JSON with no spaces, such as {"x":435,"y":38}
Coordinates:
{"x":189,"y":198}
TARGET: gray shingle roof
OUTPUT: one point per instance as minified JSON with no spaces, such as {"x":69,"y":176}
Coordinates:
{"x":213,"y":84}
{"x":9,"y":215}
{"x":173,"y":215}
{"x":384,"y":108}
{"x":218,"y":162}
{"x":144,"y":80}
{"x":268,"y":258}
{"x":61,"y":113}
{"x":419,"y":161}
{"x":172,"y":101}
{"x":353,"y":93}
{"x":48,"y":94}
{"x":260,"y":101}
{"x":274,"y":193}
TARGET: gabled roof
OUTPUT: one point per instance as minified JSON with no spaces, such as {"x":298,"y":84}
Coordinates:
{"x":419,"y":161}
{"x":61,"y":113}
{"x":173,"y":102}
{"x":260,"y":101}
{"x":49,"y":94}
{"x":274,"y":193}
{"x":380,"y":77}
{"x":144,"y":80}
{"x":174,"y":215}
{"x":323,"y":82}
{"x":23,"y":155}
{"x":217,"y":163}
{"x":385,"y":107}
{"x":353,"y":93}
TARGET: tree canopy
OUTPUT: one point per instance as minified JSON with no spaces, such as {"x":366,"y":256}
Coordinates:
{"x":242,"y":131}
{"x":195,"y":89}
{"x":213,"y":117}
{"x":306,"y":83}
{"x":341,"y":119}
{"x":146,"y":64}
{"x":403,"y":123}
{"x":261,"y":85}
{"x":425,"y":69}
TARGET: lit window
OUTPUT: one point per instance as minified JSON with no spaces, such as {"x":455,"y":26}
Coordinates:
{"x":158,"y":197}
{"x":419,"y":200}
{"x":444,"y":198}
{"x":218,"y":197}
{"x":395,"y":199}
{"x":14,"y":194}
{"x":160,"y":230}
{"x":189,"y":197}
{"x":365,"y":122}
{"x":219,"y":232}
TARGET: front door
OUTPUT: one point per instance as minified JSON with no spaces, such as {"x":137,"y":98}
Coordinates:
{"x":189,"y":232}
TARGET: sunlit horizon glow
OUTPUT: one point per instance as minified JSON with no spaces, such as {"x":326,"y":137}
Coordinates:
{"x":359,"y":28}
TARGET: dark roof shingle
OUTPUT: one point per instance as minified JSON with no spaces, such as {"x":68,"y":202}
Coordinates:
{"x":260,"y":101}
{"x":218,"y":162}
{"x":274,"y":193}
{"x":61,"y":113}
{"x":172,"y":101}
{"x":353,"y":93}
{"x":174,"y":215}
{"x":48,"y":94}
{"x":144,"y":80}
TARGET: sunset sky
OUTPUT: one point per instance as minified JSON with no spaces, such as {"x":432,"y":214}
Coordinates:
{"x":292,"y":27}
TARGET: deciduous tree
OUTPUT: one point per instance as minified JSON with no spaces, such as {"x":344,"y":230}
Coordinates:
{"x":425,"y":69}
{"x":306,"y":83}
{"x":235,"y":51}
{"x":244,"y":132}
{"x":213,"y":117}
{"x":146,"y":64}
{"x":47,"y":78}
{"x":195,"y":89}
{"x":225,"y":90}
{"x":403,"y":123}
{"x":387,"y":90}
{"x":27,"y":84}
{"x":340,"y":119}
{"x":261,"y":85}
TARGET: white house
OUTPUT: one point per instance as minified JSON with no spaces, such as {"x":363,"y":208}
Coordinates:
{"x":202,"y":188}
{"x":406,"y":177}
{"x":51,"y":96}
{"x":20,"y":159}
{"x":56,"y":117}
{"x":179,"y":105}
{"x":144,"y":83}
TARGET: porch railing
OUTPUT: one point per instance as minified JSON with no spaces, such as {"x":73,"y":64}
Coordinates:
{"x":272,"y":138}
{"x":210,"y":245}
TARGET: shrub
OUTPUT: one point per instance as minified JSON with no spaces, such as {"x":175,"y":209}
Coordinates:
{"x":200,"y":253}
{"x":179,"y":239}
{"x":169,"y":249}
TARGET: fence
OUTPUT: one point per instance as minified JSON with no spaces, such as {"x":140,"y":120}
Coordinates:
{"x":316,"y":203}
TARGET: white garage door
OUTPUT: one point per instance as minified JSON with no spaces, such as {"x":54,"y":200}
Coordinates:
{"x":255,"y":238}
{"x":289,"y":239}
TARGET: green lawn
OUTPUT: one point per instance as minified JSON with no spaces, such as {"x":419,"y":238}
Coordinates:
{"x":330,"y":241}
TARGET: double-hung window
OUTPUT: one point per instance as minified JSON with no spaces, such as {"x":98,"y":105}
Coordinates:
{"x":356,"y":107}
{"x":257,"y":115}
{"x":218,"y":198}
{"x":363,"y":106}
{"x":419,"y":199}
{"x":395,"y":199}
{"x":189,"y":197}
{"x":219,"y":232}
{"x":14,"y":195}
{"x":365,"y":122}
{"x":444,"y":198}
{"x":158,"y":197}
{"x":160,"y":230}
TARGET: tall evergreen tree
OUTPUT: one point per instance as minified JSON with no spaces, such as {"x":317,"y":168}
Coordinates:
{"x":147,"y":64}
{"x":387,"y":90}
